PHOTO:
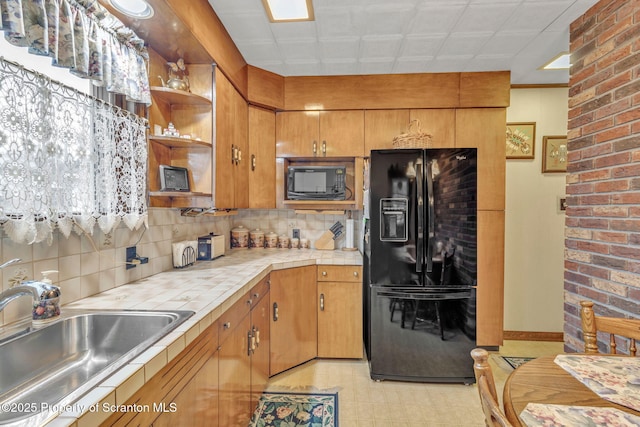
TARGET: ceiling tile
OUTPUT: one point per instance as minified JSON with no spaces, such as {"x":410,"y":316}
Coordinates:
{"x":535,"y":16}
{"x":436,"y":19}
{"x":484,"y":17}
{"x":382,"y":36}
{"x":380,"y":46}
{"x":464,"y":43}
{"x":340,"y":47}
{"x":421,"y":45}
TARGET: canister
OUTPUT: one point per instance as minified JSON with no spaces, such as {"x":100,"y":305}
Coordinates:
{"x":256,"y":239}
{"x":283,"y":242}
{"x":304,"y":243}
{"x":239,"y":237}
{"x":271,"y":240}
{"x":295,"y":243}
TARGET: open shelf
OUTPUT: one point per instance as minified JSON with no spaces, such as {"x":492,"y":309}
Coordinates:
{"x":173,"y":142}
{"x":173,"y":96}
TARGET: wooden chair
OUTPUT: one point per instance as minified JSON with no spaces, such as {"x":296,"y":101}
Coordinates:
{"x":628,"y":329}
{"x":494,"y":416}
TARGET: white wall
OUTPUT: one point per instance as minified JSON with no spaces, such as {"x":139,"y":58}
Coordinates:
{"x":534,"y":242}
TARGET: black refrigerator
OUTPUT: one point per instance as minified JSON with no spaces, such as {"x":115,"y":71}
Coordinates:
{"x":420,"y":265}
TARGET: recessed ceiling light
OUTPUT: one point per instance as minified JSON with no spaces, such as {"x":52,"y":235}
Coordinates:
{"x":289,"y":10}
{"x":135,"y":8}
{"x":560,"y":62}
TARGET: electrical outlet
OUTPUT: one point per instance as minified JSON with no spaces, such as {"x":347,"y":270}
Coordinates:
{"x":296,"y":233}
{"x":131,"y":257}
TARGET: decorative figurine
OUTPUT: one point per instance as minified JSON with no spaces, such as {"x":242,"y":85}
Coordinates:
{"x":175,"y":81}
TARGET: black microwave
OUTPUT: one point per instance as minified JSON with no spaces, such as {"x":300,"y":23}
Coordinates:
{"x":316,"y":182}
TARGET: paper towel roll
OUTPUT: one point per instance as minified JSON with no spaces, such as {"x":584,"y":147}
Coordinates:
{"x":348,"y":241}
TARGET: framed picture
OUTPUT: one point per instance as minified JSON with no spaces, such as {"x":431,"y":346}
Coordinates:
{"x":554,"y":154}
{"x":521,"y":139}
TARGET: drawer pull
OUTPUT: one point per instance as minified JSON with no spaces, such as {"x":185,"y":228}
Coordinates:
{"x":256,"y":295}
{"x":355,"y":274}
{"x":321,"y":302}
{"x":324,"y":273}
{"x":275,"y":311}
{"x":227,"y":325}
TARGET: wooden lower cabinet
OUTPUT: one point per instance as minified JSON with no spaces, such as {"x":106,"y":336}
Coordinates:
{"x":260,"y":328}
{"x":340,"y":312}
{"x":197,"y":403}
{"x":235,"y":375}
{"x":185,"y":390}
{"x":294,"y":319}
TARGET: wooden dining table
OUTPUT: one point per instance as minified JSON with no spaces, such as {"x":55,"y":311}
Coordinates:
{"x":541,"y":380}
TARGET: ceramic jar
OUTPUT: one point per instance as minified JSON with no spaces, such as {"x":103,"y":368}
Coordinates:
{"x":239,"y":237}
{"x":283,"y":242}
{"x":295,"y":243}
{"x":304,"y":244}
{"x":271,"y":240}
{"x":256,"y":239}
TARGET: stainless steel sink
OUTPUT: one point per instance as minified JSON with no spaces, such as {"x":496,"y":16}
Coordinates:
{"x":49,"y":368}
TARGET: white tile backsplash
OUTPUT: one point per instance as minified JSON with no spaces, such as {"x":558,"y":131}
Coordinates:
{"x":90,"y":265}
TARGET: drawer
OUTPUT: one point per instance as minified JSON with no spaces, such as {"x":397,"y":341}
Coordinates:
{"x":259,"y":291}
{"x":339,"y":273}
{"x":233,"y":316}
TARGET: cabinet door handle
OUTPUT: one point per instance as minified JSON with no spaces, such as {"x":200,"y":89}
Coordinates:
{"x":249,"y":343}
{"x":315,"y":148}
{"x":234,"y":154}
{"x":324,"y":148}
{"x":253,"y":162}
{"x":257,"y":337}
{"x":239,"y":155}
{"x":355,"y":274}
{"x":321,"y":302}
{"x":275,"y":311}
{"x":249,"y":302}
{"x":227,"y":325}
{"x":256,"y":295}
{"x":324,"y":273}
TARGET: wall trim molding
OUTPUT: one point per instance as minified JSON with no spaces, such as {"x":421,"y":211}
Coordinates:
{"x":534,"y":336}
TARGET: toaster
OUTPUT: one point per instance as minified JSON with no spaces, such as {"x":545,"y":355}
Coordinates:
{"x":210,"y":247}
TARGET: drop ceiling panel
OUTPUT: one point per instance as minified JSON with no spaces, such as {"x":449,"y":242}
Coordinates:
{"x":407,"y":36}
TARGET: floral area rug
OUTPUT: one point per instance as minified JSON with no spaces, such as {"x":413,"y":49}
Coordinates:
{"x":296,"y":409}
{"x":514,"y":362}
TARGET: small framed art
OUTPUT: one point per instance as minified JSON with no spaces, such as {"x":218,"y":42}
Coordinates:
{"x":554,"y":154}
{"x":521,"y":139}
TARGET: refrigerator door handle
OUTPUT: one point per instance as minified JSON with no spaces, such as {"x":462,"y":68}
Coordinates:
{"x":430,"y":218}
{"x":420,"y":214}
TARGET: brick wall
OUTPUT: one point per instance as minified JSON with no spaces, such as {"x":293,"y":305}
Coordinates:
{"x":602,"y":249}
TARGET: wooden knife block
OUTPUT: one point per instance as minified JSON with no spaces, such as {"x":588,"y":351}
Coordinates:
{"x":325,"y":242}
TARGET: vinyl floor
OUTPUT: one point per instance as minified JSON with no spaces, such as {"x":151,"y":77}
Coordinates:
{"x":363,"y":402}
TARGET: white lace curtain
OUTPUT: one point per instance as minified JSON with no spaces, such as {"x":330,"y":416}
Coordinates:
{"x":82,"y":36}
{"x":66,"y":159}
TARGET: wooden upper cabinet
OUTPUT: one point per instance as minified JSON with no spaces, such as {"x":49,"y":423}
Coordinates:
{"x":320,"y":133}
{"x":232,"y":147}
{"x":262,"y":158}
{"x":342,"y":133}
{"x":381,"y":126}
{"x":439,"y":123}
{"x":484,"y":128}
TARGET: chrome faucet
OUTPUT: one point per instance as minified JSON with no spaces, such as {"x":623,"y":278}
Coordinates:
{"x":40,"y":291}
{"x":11,"y":261}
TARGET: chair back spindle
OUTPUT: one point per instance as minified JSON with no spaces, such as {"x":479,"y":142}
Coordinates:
{"x":617,"y":328}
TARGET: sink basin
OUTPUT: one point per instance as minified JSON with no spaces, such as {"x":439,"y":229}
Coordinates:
{"x":45,"y":369}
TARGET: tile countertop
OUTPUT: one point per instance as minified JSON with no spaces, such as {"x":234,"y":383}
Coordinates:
{"x":208,"y":288}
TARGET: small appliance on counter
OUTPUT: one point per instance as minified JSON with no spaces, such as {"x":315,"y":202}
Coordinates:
{"x":184,"y":253}
{"x":210,"y":247}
